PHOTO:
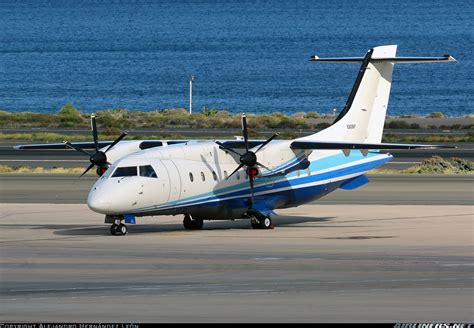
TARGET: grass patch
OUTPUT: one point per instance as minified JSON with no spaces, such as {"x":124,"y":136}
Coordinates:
{"x":118,"y":118}
{"x":434,"y":165}
{"x":42,"y":170}
{"x":438,"y":165}
{"x":69,"y":116}
{"x":439,"y":138}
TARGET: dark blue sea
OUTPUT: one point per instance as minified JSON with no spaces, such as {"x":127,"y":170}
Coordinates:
{"x":250,"y":56}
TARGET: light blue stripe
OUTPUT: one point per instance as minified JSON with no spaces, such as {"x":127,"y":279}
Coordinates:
{"x":282,"y":183}
{"x":317,"y":165}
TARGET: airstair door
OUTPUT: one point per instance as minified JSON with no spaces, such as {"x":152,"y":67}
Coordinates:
{"x":174,"y":178}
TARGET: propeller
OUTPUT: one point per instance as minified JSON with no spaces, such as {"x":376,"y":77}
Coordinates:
{"x":98,"y":158}
{"x":248,"y":159}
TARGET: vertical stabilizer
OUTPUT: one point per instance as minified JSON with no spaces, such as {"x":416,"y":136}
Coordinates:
{"x":363,"y":117}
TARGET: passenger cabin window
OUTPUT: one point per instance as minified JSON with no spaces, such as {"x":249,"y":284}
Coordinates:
{"x":214,"y":175}
{"x":203,"y":177}
{"x":126,"y":171}
{"x":225,"y":174}
{"x":191,"y":177}
{"x":147,"y":171}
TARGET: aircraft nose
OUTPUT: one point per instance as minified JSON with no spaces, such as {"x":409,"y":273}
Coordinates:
{"x":97,"y":202}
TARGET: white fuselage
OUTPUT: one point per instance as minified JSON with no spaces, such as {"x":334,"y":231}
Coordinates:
{"x":192,"y":179}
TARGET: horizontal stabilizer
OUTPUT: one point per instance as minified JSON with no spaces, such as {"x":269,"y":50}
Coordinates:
{"x":354,"y":183}
{"x":350,"y":145}
{"x":395,"y":60}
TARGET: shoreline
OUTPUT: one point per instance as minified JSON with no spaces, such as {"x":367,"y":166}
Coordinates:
{"x":69,"y":118}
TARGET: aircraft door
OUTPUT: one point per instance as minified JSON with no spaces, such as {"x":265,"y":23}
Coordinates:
{"x":174,"y":178}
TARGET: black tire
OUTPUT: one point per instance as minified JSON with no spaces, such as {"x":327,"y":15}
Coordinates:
{"x":198,"y":223}
{"x":255,"y":223}
{"x":122,"y":229}
{"x":265,"y":223}
{"x":114,"y":229}
{"x":192,"y":224}
{"x":187,"y":222}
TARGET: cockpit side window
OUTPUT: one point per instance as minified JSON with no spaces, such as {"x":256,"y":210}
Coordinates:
{"x":147,"y":171}
{"x":126,"y":171}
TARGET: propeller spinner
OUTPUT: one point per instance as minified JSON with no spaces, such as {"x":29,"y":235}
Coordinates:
{"x":98,"y":158}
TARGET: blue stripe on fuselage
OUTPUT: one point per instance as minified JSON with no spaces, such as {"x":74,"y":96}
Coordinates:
{"x":271,"y":185}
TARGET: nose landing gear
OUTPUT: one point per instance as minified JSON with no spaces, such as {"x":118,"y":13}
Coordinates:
{"x":117,"y":228}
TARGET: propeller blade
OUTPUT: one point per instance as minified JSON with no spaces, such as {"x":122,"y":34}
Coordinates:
{"x":238,"y":168}
{"x":70,"y":145}
{"x":260,"y":164}
{"x":266,"y":142}
{"x":90,"y":166}
{"x":227,"y":148}
{"x":251,"y":178}
{"x":116,"y":141}
{"x":245,"y":131}
{"x":94,"y":132}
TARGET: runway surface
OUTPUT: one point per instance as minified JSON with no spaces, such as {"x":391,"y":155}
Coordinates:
{"x":70,"y":158}
{"x":382,"y":189}
{"x":321,"y":263}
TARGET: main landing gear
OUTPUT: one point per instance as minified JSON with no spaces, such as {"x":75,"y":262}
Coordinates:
{"x":261,"y":222}
{"x":192,"y":224}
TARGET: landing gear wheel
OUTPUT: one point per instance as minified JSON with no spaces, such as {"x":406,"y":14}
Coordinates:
{"x":192,"y":224}
{"x":198,"y":223}
{"x":123,"y":230}
{"x":265,"y":223}
{"x":118,"y":229}
{"x":255,"y":223}
{"x":114,"y":229}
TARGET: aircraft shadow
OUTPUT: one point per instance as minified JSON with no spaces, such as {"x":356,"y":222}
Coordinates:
{"x":80,"y":230}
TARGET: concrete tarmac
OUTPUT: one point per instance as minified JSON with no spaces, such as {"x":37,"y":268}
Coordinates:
{"x":321,"y":263}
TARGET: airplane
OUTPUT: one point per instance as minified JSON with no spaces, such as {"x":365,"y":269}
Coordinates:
{"x":246,"y":179}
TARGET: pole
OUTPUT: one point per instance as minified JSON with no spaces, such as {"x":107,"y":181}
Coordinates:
{"x":191,"y":94}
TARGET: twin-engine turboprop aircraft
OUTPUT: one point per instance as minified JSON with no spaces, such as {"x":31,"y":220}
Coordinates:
{"x":246,"y":179}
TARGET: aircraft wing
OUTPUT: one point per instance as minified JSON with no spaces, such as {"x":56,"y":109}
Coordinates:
{"x":144,"y":144}
{"x":240,"y":144}
{"x":62,"y":145}
{"x":350,"y":145}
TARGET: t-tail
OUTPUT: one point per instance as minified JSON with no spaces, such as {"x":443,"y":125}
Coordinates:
{"x":362,"y":119}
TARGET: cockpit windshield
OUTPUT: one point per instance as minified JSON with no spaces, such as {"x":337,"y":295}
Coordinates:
{"x":126,"y":171}
{"x":147,"y":171}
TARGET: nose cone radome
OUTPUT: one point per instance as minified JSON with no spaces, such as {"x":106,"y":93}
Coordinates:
{"x":97,"y":202}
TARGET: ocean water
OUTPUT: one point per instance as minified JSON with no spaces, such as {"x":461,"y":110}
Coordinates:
{"x":246,"y":56}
